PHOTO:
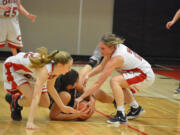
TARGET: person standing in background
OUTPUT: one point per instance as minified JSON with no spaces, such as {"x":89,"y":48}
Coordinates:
{"x":168,"y":26}
{"x":174,"y":20}
{"x":9,"y":24}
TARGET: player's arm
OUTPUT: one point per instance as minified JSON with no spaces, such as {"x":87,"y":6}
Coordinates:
{"x":57,"y":114}
{"x":86,"y":69}
{"x":112,"y":64}
{"x":52,"y":91}
{"x":41,"y":77}
{"x":176,"y":16}
{"x":64,"y":116}
{"x":99,"y":68}
{"x":23,"y":11}
{"x":174,"y":20}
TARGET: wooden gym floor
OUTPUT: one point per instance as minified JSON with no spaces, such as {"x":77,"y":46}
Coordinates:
{"x":162,"y":115}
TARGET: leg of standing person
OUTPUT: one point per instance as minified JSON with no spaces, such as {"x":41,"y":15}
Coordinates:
{"x":14,"y":51}
{"x":177,"y":91}
{"x":14,"y":35}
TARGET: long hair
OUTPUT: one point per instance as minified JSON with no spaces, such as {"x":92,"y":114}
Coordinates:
{"x":70,"y":78}
{"x":45,"y":58}
{"x":111,"y":40}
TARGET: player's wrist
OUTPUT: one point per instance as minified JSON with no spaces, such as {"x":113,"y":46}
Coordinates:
{"x":28,"y":14}
{"x":93,"y":97}
{"x":81,"y":98}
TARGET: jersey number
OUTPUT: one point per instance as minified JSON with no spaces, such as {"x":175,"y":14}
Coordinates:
{"x":14,"y":12}
{"x":135,"y":54}
{"x":29,"y":54}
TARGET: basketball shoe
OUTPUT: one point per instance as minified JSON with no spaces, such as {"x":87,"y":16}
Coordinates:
{"x":177,"y":91}
{"x":135,"y":112}
{"x":8,"y":98}
{"x":119,"y":118}
{"x":15,"y":108}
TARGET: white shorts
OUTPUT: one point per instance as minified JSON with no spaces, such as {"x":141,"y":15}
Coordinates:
{"x":10,"y":32}
{"x":139,"y":80}
{"x":13,"y":79}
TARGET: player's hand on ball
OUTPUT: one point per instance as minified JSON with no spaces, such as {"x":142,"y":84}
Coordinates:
{"x":91,"y":104}
{"x":77,"y":101}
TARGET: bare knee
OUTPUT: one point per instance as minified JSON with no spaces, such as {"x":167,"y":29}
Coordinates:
{"x":65,"y":97}
{"x":115,"y":80}
{"x":120,"y":81}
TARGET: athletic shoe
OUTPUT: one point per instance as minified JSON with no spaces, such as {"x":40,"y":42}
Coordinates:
{"x":8,"y":98}
{"x":15,"y":108}
{"x":177,"y":91}
{"x":119,"y":118}
{"x":135,"y":112}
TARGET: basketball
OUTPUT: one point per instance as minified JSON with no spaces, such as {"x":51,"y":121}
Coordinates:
{"x":83,"y":106}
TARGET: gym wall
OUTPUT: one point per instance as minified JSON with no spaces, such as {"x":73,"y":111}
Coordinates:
{"x":57,"y":24}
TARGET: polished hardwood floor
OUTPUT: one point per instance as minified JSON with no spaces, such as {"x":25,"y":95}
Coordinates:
{"x":162,"y":115}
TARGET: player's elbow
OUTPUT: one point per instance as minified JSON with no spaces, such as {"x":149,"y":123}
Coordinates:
{"x":56,"y":115}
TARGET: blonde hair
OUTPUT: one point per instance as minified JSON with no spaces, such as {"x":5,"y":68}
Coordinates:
{"x":111,"y":40}
{"x":45,"y":58}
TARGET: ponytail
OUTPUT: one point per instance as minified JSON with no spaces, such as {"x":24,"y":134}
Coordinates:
{"x":45,"y":58}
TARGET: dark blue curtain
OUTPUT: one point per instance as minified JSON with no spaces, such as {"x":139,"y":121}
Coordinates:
{"x":142,"y":24}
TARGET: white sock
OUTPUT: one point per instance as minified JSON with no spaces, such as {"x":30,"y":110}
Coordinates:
{"x":19,"y":99}
{"x":121,"y":108}
{"x":134,"y":104}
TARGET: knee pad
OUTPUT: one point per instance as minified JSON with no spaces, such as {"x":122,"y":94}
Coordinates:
{"x":92,"y":63}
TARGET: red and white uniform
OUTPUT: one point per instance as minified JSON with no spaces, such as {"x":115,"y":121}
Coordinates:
{"x":136,"y":70}
{"x":9,"y":25}
{"x":16,"y":71}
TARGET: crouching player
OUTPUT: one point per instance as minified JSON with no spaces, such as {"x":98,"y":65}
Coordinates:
{"x":66,"y":86}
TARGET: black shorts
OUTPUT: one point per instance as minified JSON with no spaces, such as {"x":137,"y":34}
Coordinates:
{"x":73,"y":94}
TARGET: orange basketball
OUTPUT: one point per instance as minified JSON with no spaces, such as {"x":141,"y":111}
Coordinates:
{"x":83,"y":106}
